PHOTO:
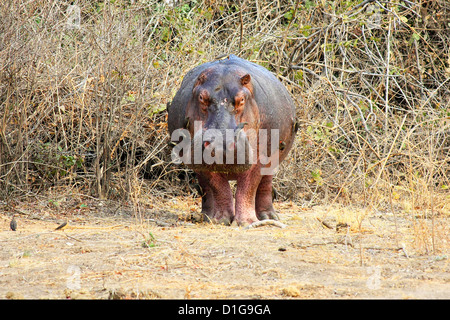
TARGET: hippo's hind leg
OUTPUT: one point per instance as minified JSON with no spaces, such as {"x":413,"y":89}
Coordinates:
{"x":263,"y":202}
{"x":217,"y":199}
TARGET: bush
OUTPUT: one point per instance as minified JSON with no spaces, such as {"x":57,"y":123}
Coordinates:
{"x":83,"y":90}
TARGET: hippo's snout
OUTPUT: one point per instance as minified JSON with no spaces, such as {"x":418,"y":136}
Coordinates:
{"x":229,"y":146}
{"x":216,"y":150}
{"x":223,"y":141}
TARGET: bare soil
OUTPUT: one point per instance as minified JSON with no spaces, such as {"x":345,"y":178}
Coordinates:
{"x":113,"y":252}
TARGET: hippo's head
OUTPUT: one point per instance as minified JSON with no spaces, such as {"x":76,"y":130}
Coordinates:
{"x":222,"y":117}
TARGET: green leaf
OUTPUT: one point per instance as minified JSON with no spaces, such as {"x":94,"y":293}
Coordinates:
{"x":288,"y":15}
{"x":309,"y":4}
{"x":415,"y":36}
{"x":156,"y":110}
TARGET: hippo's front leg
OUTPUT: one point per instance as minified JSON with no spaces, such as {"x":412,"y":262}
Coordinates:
{"x":208,"y":207}
{"x":246,"y":186}
{"x":217,"y":202}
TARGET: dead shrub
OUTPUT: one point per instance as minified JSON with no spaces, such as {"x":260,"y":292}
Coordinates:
{"x":84,"y":87}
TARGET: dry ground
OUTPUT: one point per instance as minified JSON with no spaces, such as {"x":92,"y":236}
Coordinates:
{"x":108,"y":251}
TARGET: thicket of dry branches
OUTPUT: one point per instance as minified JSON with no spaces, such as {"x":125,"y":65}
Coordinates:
{"x":84,"y":87}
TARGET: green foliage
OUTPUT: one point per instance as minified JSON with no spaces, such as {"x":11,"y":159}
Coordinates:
{"x":150,"y":241}
{"x":54,"y":162}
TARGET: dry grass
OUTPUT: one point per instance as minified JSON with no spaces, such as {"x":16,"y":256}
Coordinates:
{"x":82,"y":107}
{"x":114,"y":255}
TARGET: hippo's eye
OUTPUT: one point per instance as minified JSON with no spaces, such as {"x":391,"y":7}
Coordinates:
{"x":239,"y":103}
{"x":203,"y":98}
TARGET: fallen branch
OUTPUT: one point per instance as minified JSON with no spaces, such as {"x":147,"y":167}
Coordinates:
{"x":70,"y":237}
{"x":268,"y":222}
{"x":325,"y":223}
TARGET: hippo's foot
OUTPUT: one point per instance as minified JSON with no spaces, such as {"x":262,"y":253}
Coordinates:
{"x":219,"y":218}
{"x":244,"y":219}
{"x":207,"y":218}
{"x":224,"y":217}
{"x":266,"y":215}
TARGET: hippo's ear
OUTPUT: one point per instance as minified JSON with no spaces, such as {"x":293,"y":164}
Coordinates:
{"x":245,"y":79}
{"x":200,"y":80}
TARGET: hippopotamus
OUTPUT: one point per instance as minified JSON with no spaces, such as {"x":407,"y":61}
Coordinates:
{"x":236,"y":121}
